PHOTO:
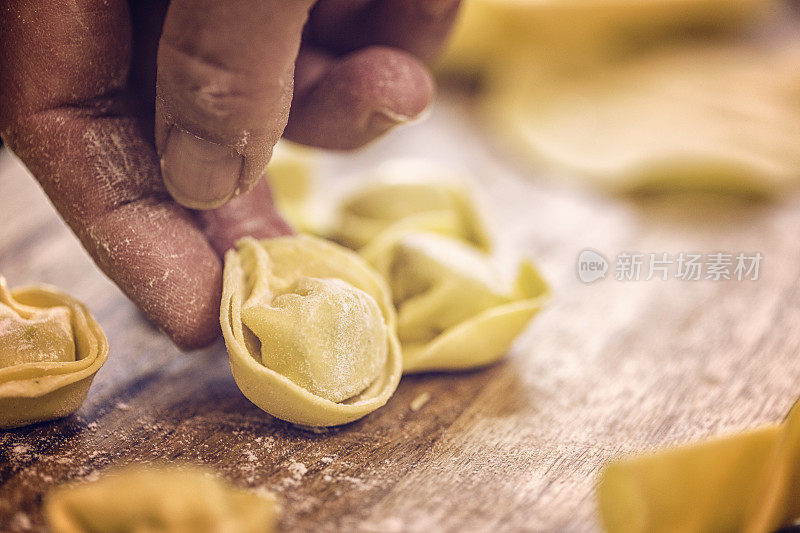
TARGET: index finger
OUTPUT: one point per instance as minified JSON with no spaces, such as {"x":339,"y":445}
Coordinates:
{"x":76,"y":135}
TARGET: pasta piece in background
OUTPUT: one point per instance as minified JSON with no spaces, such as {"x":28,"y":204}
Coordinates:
{"x":561,"y":34}
{"x":50,"y":350}
{"x":603,"y":91}
{"x":164,"y":500}
{"x":723,"y":119}
{"x":290,"y":174}
{"x":310,"y":330}
{"x":748,"y":482}
{"x":410,"y":195}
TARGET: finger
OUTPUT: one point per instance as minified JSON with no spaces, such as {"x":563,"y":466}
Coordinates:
{"x":343,"y":103}
{"x":75,"y":134}
{"x":417,"y":26}
{"x":224,"y":88}
{"x":251,"y":215}
{"x":149,"y":246}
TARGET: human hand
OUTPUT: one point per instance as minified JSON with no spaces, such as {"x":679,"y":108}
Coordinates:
{"x":128,"y":128}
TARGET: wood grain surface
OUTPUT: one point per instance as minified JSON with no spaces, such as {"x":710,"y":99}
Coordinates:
{"x":609,"y":368}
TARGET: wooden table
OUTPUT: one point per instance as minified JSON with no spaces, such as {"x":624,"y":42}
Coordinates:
{"x":609,"y":368}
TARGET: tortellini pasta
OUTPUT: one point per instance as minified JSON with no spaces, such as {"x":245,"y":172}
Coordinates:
{"x":600,"y":90}
{"x":409,"y":194}
{"x":310,"y":330}
{"x":159,"y":500}
{"x":748,"y":482}
{"x":50,"y":350}
{"x":709,"y":118}
{"x":453,"y":312}
{"x":554,"y":33}
{"x":290,"y":177}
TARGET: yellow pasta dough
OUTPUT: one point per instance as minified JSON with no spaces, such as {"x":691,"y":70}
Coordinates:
{"x":310,"y":330}
{"x":700,"y":117}
{"x":453,"y":312}
{"x":554,"y":33}
{"x":405,"y":195}
{"x":748,"y":482}
{"x":50,"y":350}
{"x":290,"y":176}
{"x":159,"y":500}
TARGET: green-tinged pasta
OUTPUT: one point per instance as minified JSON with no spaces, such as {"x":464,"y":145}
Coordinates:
{"x":50,"y":350}
{"x":410,"y":195}
{"x":159,"y":500}
{"x":453,"y":312}
{"x":310,"y":330}
{"x":748,"y":482}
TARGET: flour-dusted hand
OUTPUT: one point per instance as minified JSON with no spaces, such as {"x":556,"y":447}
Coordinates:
{"x":128,"y":127}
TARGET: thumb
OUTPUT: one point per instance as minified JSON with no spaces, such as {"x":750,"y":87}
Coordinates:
{"x":223,"y":93}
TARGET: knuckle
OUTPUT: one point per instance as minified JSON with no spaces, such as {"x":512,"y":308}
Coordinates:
{"x":210,"y":91}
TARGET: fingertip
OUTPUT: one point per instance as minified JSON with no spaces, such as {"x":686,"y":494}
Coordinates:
{"x":360,"y":97}
{"x":203,"y":337}
{"x":156,"y":255}
{"x":250,"y":215}
{"x":397,"y":81}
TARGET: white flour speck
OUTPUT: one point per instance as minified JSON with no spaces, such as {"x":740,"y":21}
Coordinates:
{"x":20,"y":449}
{"x":298,"y":470}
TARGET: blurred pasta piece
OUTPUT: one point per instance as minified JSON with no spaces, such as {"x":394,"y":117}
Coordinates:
{"x":408,"y":194}
{"x":159,"y":500}
{"x":719,"y":118}
{"x":559,"y":33}
{"x":748,"y":482}
{"x":51,"y":347}
{"x":291,"y":175}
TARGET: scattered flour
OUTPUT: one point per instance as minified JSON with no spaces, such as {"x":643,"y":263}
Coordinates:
{"x":298,"y":470}
{"x":250,"y":456}
{"x":20,"y":449}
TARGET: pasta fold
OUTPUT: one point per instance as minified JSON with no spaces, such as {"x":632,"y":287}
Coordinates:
{"x":748,"y":482}
{"x":409,"y":195}
{"x":50,"y":350}
{"x":453,"y":311}
{"x":310,"y":330}
{"x":162,"y":500}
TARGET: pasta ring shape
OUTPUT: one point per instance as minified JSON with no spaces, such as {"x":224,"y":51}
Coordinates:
{"x":50,"y":350}
{"x":322,"y":325}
